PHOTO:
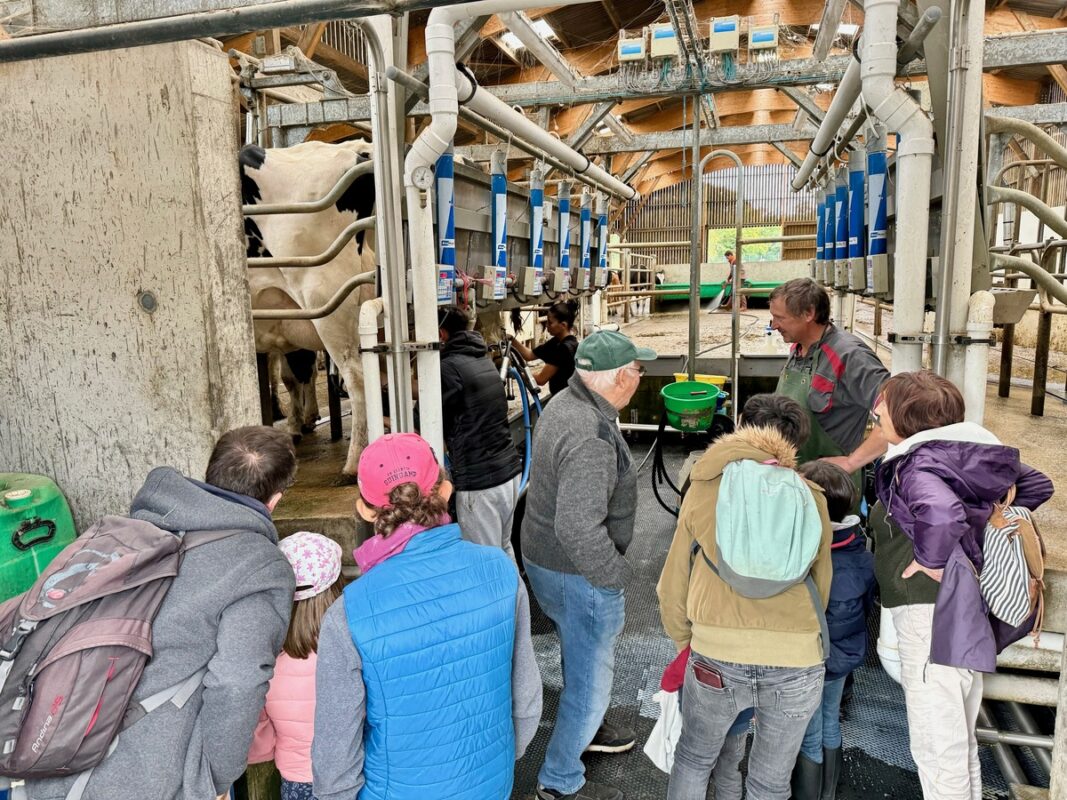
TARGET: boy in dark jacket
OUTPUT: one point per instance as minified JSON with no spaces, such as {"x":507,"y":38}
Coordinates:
{"x":818,"y":768}
{"x":486,"y":469}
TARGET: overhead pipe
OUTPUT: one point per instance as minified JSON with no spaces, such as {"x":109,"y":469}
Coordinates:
{"x":845,"y":97}
{"x":899,"y":112}
{"x":1002,"y":194}
{"x":496,"y":110}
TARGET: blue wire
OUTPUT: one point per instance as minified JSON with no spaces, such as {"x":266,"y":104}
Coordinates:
{"x":527,"y":428}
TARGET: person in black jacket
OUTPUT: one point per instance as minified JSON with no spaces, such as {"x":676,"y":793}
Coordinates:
{"x":486,"y":469}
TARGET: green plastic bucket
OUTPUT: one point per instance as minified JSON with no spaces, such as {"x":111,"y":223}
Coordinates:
{"x":690,"y":404}
{"x":35,"y":524}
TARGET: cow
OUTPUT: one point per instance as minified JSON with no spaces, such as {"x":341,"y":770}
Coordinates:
{"x":307,"y":172}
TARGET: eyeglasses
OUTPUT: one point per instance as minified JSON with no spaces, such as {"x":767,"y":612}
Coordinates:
{"x":638,"y":369}
{"x":875,"y":418}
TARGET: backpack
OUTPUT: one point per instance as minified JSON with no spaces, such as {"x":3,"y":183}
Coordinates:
{"x":776,"y":502}
{"x":1012,"y":580}
{"x":73,"y":647}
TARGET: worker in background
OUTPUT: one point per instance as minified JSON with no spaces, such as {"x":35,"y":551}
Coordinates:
{"x":486,"y":469}
{"x":578,"y":524}
{"x":832,"y":374}
{"x":731,"y":259}
{"x":558,"y":351}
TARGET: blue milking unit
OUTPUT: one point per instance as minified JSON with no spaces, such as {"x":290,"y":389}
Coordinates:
{"x":829,"y":249}
{"x":496,"y":287}
{"x":585,"y":235}
{"x":446,"y":227}
{"x":561,"y":279}
{"x":857,"y":272}
{"x":877,"y":277}
{"x":602,"y":239}
{"x":816,"y":264}
{"x":531,"y":278}
{"x":839,"y":278}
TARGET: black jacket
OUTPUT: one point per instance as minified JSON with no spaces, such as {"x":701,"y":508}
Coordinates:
{"x":477,"y":434}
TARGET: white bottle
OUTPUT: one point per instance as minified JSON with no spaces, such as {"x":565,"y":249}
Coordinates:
{"x":770,"y":341}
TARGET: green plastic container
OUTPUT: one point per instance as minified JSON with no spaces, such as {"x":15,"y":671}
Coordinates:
{"x":690,"y":404}
{"x":35,"y":524}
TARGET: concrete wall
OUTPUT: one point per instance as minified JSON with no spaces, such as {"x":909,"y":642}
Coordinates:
{"x":119,"y":176}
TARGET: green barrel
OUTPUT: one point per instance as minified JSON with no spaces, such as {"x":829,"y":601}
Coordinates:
{"x":35,"y":524}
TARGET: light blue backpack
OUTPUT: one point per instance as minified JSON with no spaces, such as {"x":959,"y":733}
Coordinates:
{"x":767,"y":533}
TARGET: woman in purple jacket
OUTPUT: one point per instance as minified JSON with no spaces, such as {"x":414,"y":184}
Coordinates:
{"x":937,"y":484}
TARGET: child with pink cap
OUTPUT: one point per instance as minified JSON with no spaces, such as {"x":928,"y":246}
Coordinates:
{"x":427,"y":684}
{"x":286,"y":723}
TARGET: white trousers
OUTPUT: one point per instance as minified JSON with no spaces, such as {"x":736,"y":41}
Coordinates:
{"x":943,"y":705}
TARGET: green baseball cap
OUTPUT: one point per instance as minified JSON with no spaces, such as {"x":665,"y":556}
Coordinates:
{"x":606,"y":350}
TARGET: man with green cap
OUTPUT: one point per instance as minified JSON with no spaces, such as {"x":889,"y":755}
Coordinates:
{"x":579,"y":521}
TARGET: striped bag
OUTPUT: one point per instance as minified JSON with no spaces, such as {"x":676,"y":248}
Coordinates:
{"x":1012,"y":578}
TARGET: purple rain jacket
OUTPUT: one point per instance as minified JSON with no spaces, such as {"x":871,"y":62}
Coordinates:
{"x":939,"y":487}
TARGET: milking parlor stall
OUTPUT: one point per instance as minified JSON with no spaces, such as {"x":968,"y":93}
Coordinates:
{"x":217,"y":214}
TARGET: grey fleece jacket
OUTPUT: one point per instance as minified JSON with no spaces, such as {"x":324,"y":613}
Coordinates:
{"x":341,"y":701}
{"x":228,"y":609}
{"x":582,"y":496}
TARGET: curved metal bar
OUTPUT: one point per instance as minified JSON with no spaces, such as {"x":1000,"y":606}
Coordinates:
{"x":1054,"y":149}
{"x":1029,"y":162}
{"x":1001,"y":194}
{"x":696,"y":247}
{"x":315,"y":261}
{"x":1039,"y":275}
{"x":328,"y":308}
{"x":346,"y":180}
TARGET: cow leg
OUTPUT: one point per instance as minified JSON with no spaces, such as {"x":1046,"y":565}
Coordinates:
{"x":295,"y":420}
{"x":351,"y":369}
{"x":274,"y":379}
{"x":303,"y":364}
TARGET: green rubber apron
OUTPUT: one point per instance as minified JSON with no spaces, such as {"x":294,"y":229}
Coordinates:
{"x":795,"y":383}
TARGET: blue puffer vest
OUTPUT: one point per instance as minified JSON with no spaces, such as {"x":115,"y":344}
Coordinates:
{"x":435,"y":627}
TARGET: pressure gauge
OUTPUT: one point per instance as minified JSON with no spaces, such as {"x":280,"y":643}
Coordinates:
{"x":422,"y":178}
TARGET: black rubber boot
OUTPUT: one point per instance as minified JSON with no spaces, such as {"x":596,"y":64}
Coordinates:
{"x":806,"y":783}
{"x":832,"y":763}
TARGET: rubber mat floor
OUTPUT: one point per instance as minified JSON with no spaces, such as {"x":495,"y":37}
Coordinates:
{"x":877,"y":761}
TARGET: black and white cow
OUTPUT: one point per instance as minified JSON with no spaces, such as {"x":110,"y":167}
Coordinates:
{"x":304,"y":173}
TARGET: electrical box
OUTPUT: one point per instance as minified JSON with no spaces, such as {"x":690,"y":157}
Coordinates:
{"x":878,"y":277}
{"x":664,"y":41}
{"x":725,"y":35}
{"x":763,"y":37}
{"x":580,"y":279}
{"x":529,"y":283}
{"x":492,"y":283}
{"x":446,"y":284}
{"x":558,"y":280}
{"x":634,"y":49}
{"x":841,"y":274}
{"x":597,"y":276}
{"x":857,"y":275}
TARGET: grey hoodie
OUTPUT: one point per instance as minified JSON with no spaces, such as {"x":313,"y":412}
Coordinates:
{"x":228,"y":609}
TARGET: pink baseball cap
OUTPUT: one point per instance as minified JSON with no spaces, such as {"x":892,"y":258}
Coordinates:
{"x":392,"y":460}
{"x":316,"y":562}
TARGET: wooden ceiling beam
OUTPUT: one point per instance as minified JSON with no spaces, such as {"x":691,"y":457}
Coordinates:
{"x":344,"y":66}
{"x":310,"y":38}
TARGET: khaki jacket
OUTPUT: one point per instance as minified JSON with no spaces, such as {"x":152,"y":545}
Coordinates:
{"x":700,"y":609}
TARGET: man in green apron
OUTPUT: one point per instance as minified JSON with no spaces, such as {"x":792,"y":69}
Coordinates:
{"x":832,"y":374}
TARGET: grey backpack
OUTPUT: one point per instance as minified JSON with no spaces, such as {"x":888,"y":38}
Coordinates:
{"x":73,"y":647}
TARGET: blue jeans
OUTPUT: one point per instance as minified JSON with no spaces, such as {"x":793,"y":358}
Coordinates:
{"x":784,"y":699}
{"x":824,"y":730}
{"x":588,"y":620}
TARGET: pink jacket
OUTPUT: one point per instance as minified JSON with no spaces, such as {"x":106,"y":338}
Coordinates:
{"x":287,"y":722}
